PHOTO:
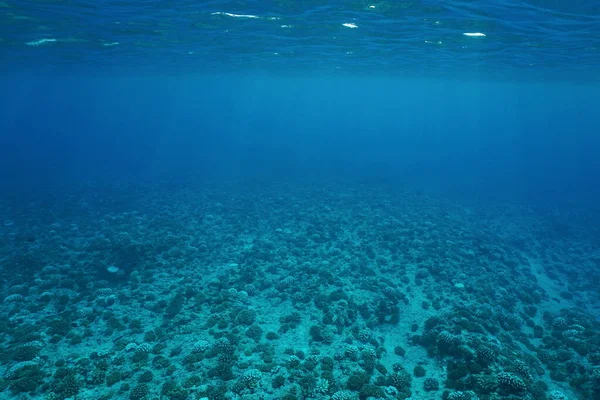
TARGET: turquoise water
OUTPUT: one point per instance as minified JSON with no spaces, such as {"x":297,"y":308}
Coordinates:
{"x":289,"y":200}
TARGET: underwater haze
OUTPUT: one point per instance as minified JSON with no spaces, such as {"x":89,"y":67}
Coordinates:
{"x":289,"y":200}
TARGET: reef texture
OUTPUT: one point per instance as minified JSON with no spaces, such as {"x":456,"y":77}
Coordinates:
{"x":294,"y":291}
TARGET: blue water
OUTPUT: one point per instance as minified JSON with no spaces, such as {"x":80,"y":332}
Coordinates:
{"x":491,"y":138}
{"x":299,"y":199}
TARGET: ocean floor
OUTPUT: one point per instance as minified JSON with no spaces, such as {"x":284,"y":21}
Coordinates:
{"x":294,"y":291}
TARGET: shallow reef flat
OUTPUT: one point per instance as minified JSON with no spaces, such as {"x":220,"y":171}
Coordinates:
{"x":294,"y":291}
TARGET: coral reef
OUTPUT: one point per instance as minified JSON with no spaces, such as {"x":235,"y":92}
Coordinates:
{"x":293,"y":292}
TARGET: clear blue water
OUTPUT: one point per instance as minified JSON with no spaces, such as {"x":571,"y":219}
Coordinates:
{"x":233,"y":184}
{"x":482,"y":97}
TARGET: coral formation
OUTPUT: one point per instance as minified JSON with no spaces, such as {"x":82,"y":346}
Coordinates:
{"x":294,"y":293}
